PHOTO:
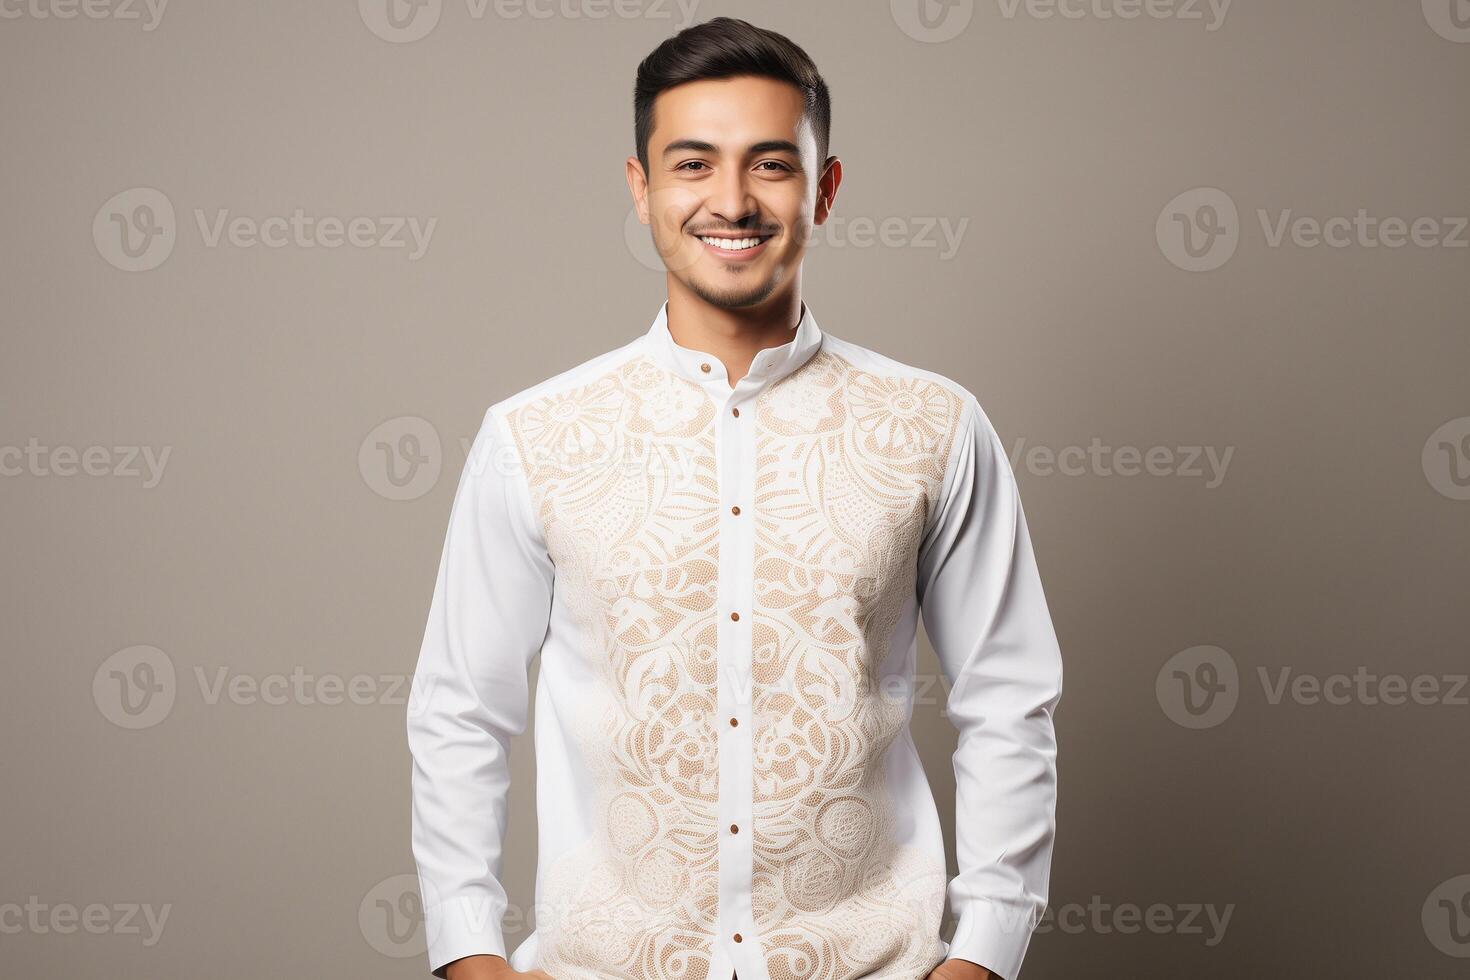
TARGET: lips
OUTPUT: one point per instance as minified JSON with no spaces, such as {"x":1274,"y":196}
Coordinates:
{"x":737,"y":249}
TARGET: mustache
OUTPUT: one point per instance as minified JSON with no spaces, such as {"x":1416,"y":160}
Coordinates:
{"x":736,"y":231}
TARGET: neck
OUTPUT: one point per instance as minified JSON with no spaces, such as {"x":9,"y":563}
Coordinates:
{"x":734,"y":336}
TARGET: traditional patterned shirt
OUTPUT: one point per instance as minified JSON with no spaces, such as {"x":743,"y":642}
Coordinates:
{"x":724,"y":584}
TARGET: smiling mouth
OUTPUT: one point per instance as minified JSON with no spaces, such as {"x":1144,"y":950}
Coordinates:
{"x":731,"y":244}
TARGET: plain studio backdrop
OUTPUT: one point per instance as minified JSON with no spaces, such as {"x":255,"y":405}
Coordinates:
{"x":266,"y":264}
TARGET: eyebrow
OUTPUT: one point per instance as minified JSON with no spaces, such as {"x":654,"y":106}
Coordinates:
{"x":765,"y":146}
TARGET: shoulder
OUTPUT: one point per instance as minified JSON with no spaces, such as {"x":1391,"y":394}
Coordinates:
{"x":589,"y":374}
{"x":943,"y":397}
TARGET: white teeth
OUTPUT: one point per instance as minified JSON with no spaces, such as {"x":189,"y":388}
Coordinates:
{"x":732,"y":244}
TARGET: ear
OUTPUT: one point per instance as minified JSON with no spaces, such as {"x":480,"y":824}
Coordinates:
{"x":638,"y":187}
{"x":827,"y":185}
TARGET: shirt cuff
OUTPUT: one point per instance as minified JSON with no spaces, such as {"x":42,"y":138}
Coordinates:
{"x":994,"y":935}
{"x":460,"y":927}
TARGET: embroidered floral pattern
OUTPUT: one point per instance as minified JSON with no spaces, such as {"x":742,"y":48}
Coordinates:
{"x":849,"y":465}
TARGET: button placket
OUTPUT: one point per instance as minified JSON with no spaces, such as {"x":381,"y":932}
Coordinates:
{"x":736,"y":748}
{"x":736,"y":949}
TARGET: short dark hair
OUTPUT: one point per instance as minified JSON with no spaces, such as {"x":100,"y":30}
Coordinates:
{"x":723,"y":48}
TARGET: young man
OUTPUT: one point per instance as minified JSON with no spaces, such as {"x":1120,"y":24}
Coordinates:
{"x":720,"y":537}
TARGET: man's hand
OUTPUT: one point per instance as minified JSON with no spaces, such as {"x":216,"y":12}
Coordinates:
{"x":484,"y":967}
{"x":957,"y":969}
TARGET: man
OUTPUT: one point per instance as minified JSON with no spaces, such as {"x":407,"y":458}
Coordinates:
{"x":720,"y":537}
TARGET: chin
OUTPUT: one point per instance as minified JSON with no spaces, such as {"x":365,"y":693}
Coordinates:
{"x":736,"y":297}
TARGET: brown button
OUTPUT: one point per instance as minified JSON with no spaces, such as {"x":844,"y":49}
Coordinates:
{"x":735,"y":616}
{"x":734,"y":722}
{"x":737,"y":938}
{"x":705,"y":367}
{"x":735,"y":412}
{"x":734,"y":828}
{"x":735,"y":510}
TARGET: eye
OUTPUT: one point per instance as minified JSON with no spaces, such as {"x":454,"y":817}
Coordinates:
{"x":690,"y":163}
{"x":778,"y":163}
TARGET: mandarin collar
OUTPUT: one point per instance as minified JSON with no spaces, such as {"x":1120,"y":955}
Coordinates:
{"x":771,"y":363}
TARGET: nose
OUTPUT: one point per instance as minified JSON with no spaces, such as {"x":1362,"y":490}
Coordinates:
{"x":730,"y":199}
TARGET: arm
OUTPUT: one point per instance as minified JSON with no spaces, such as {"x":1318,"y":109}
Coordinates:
{"x":986,"y":615}
{"x":486,"y":622}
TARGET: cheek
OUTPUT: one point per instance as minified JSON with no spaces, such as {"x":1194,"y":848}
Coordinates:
{"x":669,"y":209}
{"x":798,"y":236}
{"x":795,"y":216}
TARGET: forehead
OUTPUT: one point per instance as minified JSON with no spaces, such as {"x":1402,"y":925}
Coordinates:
{"x":731,"y":113}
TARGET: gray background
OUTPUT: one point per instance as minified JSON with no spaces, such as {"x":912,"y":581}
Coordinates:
{"x":276,"y":835}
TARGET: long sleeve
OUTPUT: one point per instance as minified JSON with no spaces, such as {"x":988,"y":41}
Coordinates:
{"x":985,"y":613}
{"x":487,"y":620}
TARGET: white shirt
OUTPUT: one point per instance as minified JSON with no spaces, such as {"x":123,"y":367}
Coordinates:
{"x":724,"y":586}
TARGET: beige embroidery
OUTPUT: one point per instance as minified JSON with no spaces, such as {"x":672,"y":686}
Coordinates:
{"x":623,"y":480}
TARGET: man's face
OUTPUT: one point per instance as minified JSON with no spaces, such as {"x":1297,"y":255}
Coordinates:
{"x":733,"y":187}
